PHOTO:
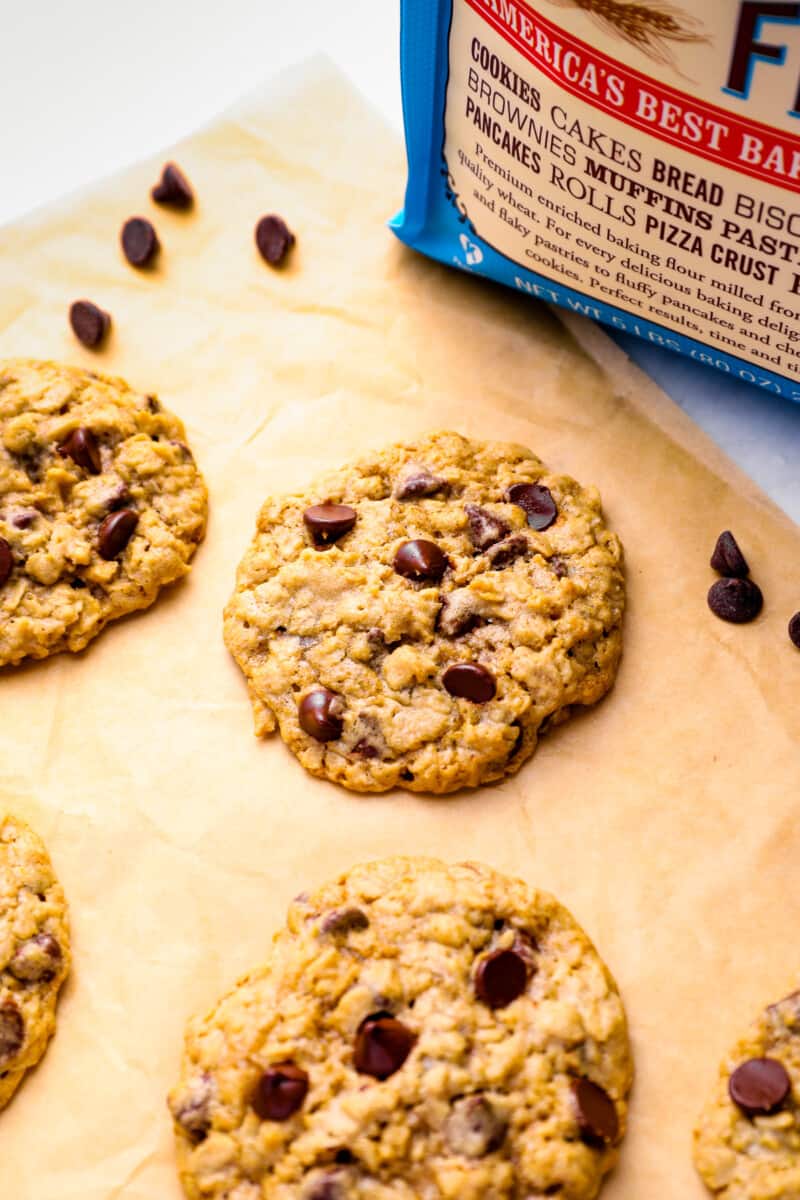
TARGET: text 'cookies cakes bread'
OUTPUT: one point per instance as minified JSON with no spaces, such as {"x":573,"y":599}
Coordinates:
{"x":419,"y":1032}
{"x":101,"y":505}
{"x":418,"y":618}
{"x":34,"y":951}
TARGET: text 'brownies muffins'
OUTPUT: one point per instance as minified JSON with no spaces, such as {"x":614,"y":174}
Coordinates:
{"x":418,"y":1030}
{"x":417,"y":618}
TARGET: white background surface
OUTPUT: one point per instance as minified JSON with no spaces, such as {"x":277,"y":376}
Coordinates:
{"x":86,"y":88}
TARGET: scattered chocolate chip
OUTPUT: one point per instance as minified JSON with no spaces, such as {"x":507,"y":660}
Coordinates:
{"x":469,"y":681}
{"x":794,"y":629}
{"x":279,"y":1092}
{"x":458,"y":614}
{"x":192,"y":1110}
{"x":473,"y":1127}
{"x":501,"y":977}
{"x":365,"y":749}
{"x":320,"y":714}
{"x":81,"y":446}
{"x":328,"y":522}
{"x":24,"y":519}
{"x":382,"y":1045}
{"x":139,"y":241}
{"x":760,"y":1086}
{"x":36,"y":960}
{"x":274,"y":239}
{"x":415,"y":481}
{"x":115,"y":532}
{"x":484,"y":527}
{"x":502,"y":553}
{"x":536,"y":502}
{"x":598,"y":1123}
{"x":173,"y":188}
{"x":420,"y":560}
{"x":559,"y":567}
{"x":345,"y":920}
{"x":90,"y":324}
{"x":77,"y":584}
{"x":6,"y":561}
{"x":727,"y":558}
{"x":12,"y":1031}
{"x":736,"y":600}
{"x":119,"y":498}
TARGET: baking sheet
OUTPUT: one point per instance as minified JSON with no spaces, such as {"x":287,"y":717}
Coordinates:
{"x":665,"y":818}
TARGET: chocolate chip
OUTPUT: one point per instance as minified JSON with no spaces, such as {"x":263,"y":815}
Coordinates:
{"x":77,"y":584}
{"x":415,"y":481}
{"x":139,"y":241}
{"x":473,"y":1128}
{"x":81,"y":446}
{"x":501,"y":977}
{"x":90,"y":324}
{"x":536,"y":502}
{"x":320,"y":714}
{"x":736,"y":600}
{"x":115,"y":532}
{"x":173,"y":188}
{"x":192,"y":1110}
{"x":365,"y":749}
{"x":502,"y":553}
{"x":420,"y":560}
{"x":345,"y":920}
{"x":760,"y":1086}
{"x":470,"y":681}
{"x":118,"y":498}
{"x":328,"y":522}
{"x":484,"y":527}
{"x":596,"y":1113}
{"x":12,"y":1031}
{"x":274,"y":239}
{"x":24,"y":519}
{"x":36,"y":960}
{"x":458,"y":614}
{"x":727,"y":558}
{"x":6,"y":561}
{"x":559,"y":567}
{"x":794,"y":629}
{"x":382,"y":1045}
{"x":279,"y":1092}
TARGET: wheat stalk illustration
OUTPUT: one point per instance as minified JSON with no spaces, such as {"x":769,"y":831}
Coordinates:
{"x":651,"y":27}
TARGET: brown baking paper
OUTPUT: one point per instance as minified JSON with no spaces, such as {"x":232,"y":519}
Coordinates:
{"x":666,"y":818}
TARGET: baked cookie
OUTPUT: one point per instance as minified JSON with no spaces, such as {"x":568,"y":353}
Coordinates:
{"x":101,"y":504}
{"x":34,"y":951}
{"x":419,"y":1030}
{"x":417,"y":618}
{"x":747,"y":1141}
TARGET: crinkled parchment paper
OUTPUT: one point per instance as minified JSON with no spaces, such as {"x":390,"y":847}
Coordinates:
{"x":666,"y":818}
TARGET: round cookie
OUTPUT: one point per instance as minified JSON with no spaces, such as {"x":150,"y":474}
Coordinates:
{"x":418,"y":1030}
{"x":418,"y":618}
{"x":34,"y":951}
{"x":747,"y":1141}
{"x":101,"y":505}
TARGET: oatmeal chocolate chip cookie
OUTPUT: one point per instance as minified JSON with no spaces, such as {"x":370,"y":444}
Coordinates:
{"x":418,"y":1030}
{"x":418,"y":618}
{"x":34,"y":951}
{"x":101,"y":505}
{"x":747,"y":1141}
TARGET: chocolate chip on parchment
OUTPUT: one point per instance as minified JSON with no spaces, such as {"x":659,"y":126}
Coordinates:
{"x":501,"y":977}
{"x":484,"y":527}
{"x":328,"y":522}
{"x":12,"y":1031}
{"x":344,"y":920}
{"x":90,"y":324}
{"x":173,"y":188}
{"x":736,"y":600}
{"x":420,"y":560}
{"x":536,"y":502}
{"x":6,"y":561}
{"x":382,"y":1045}
{"x":115,"y":532}
{"x":139,"y":241}
{"x":320,"y":714}
{"x":470,"y":681}
{"x":279,"y":1092}
{"x":596,"y":1113}
{"x":794,"y":630}
{"x":473,"y":1127}
{"x":274,"y":239}
{"x":502,"y":553}
{"x":36,"y":960}
{"x":81,"y":446}
{"x":727,"y":558}
{"x":760,"y":1086}
{"x":416,"y":481}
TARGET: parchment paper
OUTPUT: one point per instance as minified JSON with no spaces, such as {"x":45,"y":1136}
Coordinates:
{"x":666,"y":818}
